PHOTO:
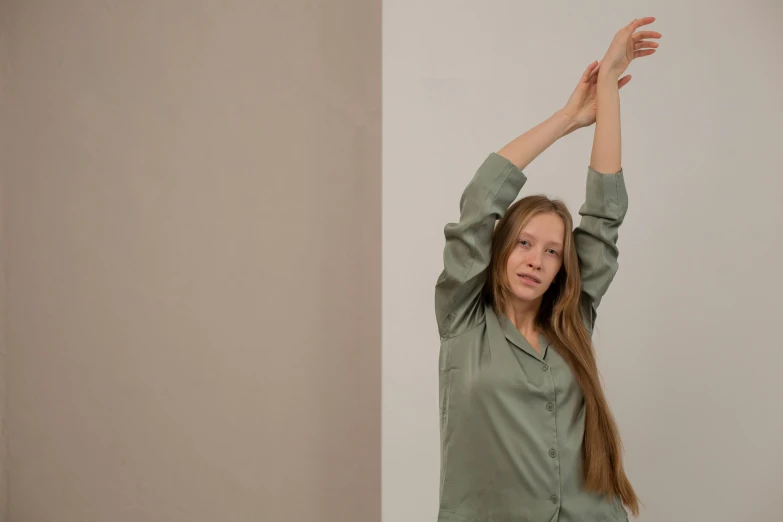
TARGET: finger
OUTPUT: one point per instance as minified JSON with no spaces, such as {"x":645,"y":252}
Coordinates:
{"x":589,"y":71}
{"x":638,"y":22}
{"x":596,"y":72}
{"x":586,"y":73}
{"x":623,"y":81}
{"x":646,"y":52}
{"x":645,"y":44}
{"x":646,"y":34}
{"x":592,"y":77}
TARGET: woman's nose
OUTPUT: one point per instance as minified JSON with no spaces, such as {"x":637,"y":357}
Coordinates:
{"x":534,"y":261}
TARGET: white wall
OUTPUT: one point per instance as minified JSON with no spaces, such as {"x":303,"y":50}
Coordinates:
{"x":688,"y":334}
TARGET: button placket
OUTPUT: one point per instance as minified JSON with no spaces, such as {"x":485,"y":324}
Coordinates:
{"x":551,"y":407}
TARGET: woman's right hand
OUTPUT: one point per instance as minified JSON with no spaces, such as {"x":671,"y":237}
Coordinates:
{"x":627,"y":45}
{"x":581,"y":106}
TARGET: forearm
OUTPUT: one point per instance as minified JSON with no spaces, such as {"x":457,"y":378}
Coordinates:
{"x":527,"y":147}
{"x":606,"y":154}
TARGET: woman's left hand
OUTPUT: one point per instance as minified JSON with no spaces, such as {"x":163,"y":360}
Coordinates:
{"x":581,"y":106}
{"x":628,"y":45}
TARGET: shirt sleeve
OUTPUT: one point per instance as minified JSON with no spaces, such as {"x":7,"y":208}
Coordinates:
{"x":602,"y":213}
{"x":458,"y":292}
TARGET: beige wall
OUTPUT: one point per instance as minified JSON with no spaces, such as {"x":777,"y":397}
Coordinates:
{"x":3,"y":316}
{"x":191,"y":211}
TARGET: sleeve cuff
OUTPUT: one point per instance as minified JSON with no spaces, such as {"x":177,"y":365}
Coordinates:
{"x":606,"y":192}
{"x":500,"y":180}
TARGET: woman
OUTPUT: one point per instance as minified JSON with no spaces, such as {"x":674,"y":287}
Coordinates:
{"x":526,"y":431}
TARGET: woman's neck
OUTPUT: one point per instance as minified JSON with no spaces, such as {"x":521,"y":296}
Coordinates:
{"x":523,"y":314}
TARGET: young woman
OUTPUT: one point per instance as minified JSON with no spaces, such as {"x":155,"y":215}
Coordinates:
{"x":526,"y":431}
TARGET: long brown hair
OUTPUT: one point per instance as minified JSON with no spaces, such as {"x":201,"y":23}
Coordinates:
{"x":560,"y":319}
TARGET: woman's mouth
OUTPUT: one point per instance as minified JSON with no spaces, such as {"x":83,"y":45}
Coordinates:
{"x":529,"y":280}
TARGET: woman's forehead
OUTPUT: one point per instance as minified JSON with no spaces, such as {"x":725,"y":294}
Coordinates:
{"x":544,"y":227}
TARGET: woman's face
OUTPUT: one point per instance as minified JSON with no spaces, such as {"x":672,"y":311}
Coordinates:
{"x":538,"y":254}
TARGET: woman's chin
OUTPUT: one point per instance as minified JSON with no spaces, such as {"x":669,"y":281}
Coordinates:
{"x":525,"y":293}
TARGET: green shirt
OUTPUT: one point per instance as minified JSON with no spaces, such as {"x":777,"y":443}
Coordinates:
{"x":512,"y":420}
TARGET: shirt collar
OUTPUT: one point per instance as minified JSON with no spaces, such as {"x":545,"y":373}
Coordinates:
{"x":516,"y":338}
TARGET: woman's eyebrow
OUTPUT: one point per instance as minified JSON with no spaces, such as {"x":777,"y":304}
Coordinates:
{"x":528,"y":234}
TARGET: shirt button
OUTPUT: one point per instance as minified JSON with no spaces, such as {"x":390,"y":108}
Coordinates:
{"x":550,"y":406}
{"x":545,"y":367}
{"x":554,"y":498}
{"x":552,"y":453}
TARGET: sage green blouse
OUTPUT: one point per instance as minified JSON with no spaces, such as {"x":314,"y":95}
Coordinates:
{"x":512,"y":420}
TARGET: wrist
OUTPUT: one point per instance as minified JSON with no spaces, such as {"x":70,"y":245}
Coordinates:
{"x":566,"y":122}
{"x":608,"y":75}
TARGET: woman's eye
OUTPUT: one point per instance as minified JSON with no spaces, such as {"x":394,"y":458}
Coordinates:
{"x":554,"y":252}
{"x":523,"y":241}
